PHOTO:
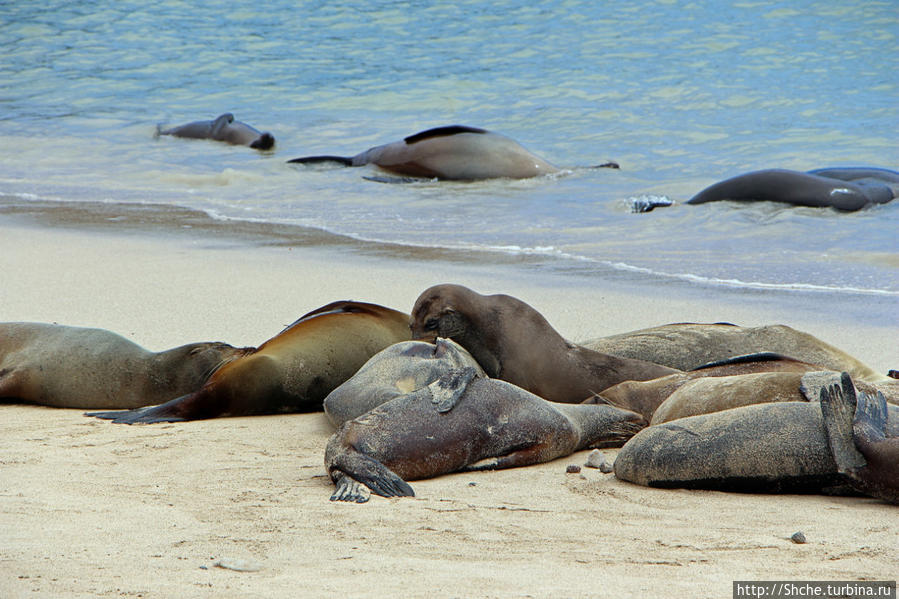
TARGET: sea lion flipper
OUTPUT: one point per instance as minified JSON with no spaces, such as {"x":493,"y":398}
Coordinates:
{"x":348,"y":489}
{"x":148,"y":415}
{"x":838,"y":406}
{"x":449,"y":388}
{"x":364,"y":470}
{"x":869,"y":425}
{"x":344,"y":160}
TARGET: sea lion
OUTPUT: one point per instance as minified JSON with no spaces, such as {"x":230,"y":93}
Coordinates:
{"x":686,"y":346}
{"x":766,"y":447}
{"x":647,"y":397}
{"x":856,"y":427}
{"x":397,"y":370}
{"x":75,"y":367}
{"x":291,"y":372}
{"x":513,"y":342}
{"x":462,"y":422}
{"x":845,"y":189}
{"x":453,"y":152}
{"x":224,"y":128}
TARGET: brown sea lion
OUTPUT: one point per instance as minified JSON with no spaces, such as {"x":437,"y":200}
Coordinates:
{"x":224,"y":128}
{"x":646,"y":397}
{"x":75,"y":367}
{"x":452,"y":152}
{"x":686,"y":346}
{"x":766,"y":447}
{"x":462,"y":422}
{"x":291,"y":372}
{"x":397,"y":370}
{"x":856,"y":427}
{"x":513,"y":342}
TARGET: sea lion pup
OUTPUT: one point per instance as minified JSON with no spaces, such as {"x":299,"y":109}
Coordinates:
{"x":513,"y":342}
{"x":856,"y":427}
{"x":845,"y":189}
{"x":75,"y":367}
{"x":291,"y":372}
{"x":462,"y":422}
{"x":397,"y":370}
{"x":224,"y":128}
{"x":686,"y":346}
{"x":453,"y":152}
{"x":766,"y":448}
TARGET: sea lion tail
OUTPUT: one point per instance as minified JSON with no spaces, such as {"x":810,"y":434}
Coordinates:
{"x":362,"y":469}
{"x":266,"y":141}
{"x":344,"y":160}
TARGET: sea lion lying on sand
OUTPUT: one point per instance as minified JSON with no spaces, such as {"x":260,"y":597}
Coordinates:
{"x":462,"y":422}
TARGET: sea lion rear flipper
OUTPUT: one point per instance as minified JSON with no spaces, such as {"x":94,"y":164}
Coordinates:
{"x":838,"y":406}
{"x":523,"y":456}
{"x":364,"y":470}
{"x":349,"y":490}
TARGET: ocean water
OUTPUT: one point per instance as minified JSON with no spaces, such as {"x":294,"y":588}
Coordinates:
{"x":681,"y":94}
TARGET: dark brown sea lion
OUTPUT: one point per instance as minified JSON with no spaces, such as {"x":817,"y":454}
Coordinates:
{"x":462,"y":422}
{"x":224,"y":128}
{"x":686,"y":346}
{"x":291,"y":372}
{"x":453,"y":152}
{"x":513,"y":342}
{"x":766,"y":447}
{"x":75,"y":367}
{"x":845,"y":189}
{"x":857,"y":434}
{"x":397,"y":370}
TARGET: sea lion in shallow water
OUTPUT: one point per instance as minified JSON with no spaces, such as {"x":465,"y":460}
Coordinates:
{"x":462,"y":422}
{"x":397,"y":370}
{"x":686,"y":346}
{"x":224,"y":128}
{"x":513,"y":342}
{"x":846,"y":189}
{"x":453,"y":152}
{"x":291,"y":372}
{"x":75,"y":367}
{"x":856,"y":427}
{"x":767,"y":448}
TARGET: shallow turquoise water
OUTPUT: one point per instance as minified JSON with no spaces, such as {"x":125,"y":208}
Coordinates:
{"x":680,"y":94}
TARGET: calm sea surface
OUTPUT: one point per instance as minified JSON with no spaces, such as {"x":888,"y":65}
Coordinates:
{"x":681,"y":94}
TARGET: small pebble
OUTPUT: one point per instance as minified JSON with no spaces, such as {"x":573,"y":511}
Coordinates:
{"x":573,"y":469}
{"x":798,"y":538}
{"x":238,"y":565}
{"x":597,"y":459}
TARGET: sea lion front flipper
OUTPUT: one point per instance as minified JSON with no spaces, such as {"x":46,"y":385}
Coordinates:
{"x":838,"y":406}
{"x":449,"y":388}
{"x":524,"y":456}
{"x":148,"y":415}
{"x":364,"y":470}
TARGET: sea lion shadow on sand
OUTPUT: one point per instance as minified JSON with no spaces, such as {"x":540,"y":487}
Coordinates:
{"x":462,"y":421}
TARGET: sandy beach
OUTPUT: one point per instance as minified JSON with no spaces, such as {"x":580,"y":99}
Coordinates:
{"x":93,"y":509}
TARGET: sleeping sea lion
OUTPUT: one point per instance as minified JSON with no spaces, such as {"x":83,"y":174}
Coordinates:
{"x":452,"y":152}
{"x":397,"y":370}
{"x":291,"y":372}
{"x":75,"y":367}
{"x":686,"y":346}
{"x":224,"y":128}
{"x":462,"y":422}
{"x":513,"y":342}
{"x":856,"y":427}
{"x":766,"y":447}
{"x":845,"y":189}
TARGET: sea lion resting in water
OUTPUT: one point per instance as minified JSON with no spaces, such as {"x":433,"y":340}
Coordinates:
{"x":397,"y":370}
{"x":686,"y":346}
{"x":291,"y":372}
{"x":513,"y":342}
{"x":767,"y":448}
{"x":462,"y":422}
{"x":224,"y":128}
{"x":453,"y":152}
{"x":75,"y":367}
{"x":846,"y":189}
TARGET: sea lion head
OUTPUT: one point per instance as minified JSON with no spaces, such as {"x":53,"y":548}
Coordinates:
{"x":440,"y":311}
{"x":266,"y":141}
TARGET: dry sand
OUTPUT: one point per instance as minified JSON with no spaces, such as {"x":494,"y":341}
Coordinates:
{"x":93,"y":509}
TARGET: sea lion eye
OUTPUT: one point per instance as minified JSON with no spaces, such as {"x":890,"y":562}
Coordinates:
{"x":431,"y":324}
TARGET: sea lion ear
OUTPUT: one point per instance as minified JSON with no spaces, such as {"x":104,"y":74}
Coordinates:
{"x":448,"y":389}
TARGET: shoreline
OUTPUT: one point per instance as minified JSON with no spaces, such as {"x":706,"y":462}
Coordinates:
{"x":95,"y":509}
